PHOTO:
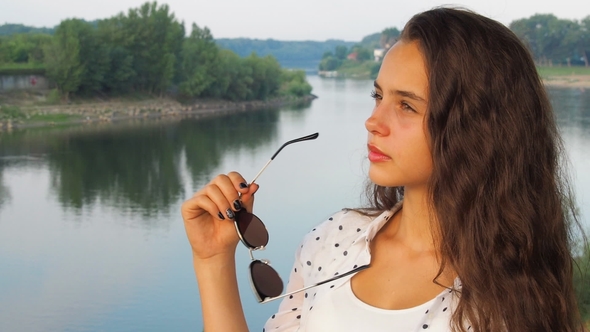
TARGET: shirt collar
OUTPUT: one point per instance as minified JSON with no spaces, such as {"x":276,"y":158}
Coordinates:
{"x":376,"y":224}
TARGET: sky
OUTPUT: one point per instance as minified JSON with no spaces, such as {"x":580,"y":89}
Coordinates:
{"x":285,"y":19}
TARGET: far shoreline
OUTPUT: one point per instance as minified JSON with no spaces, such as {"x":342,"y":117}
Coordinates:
{"x":117,"y":111}
{"x":568,"y":81}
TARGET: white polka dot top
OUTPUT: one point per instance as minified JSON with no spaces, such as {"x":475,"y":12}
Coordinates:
{"x":336,"y":246}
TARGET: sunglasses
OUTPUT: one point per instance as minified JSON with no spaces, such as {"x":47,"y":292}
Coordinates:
{"x":265,"y":281}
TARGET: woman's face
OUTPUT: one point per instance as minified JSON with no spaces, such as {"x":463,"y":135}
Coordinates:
{"x":398,"y":142}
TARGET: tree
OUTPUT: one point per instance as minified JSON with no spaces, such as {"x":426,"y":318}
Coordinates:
{"x":200,"y":62}
{"x":119,"y":76}
{"x":363,"y":53}
{"x":236,"y":77}
{"x":62,"y":59}
{"x":23,"y":48}
{"x":388,"y":37}
{"x":327,"y":54}
{"x":329,"y":64}
{"x":265,"y":76}
{"x":583,"y":47}
{"x":93,"y":56}
{"x":550,"y":39}
{"x":293,"y":83}
{"x":154,"y":37}
{"x":341,"y":52}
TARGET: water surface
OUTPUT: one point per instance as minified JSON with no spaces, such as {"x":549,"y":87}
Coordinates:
{"x":91,"y":237}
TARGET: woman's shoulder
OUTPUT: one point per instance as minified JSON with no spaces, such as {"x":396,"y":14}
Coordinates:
{"x":345,"y":219}
{"x":340,"y":225}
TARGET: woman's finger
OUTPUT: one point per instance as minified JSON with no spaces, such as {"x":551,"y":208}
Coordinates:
{"x":239,"y":182}
{"x":248,"y":197}
{"x":224,"y":196}
{"x":199,"y":205}
{"x":228,"y":188}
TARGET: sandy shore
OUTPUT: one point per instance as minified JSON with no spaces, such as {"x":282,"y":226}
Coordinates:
{"x":573,"y":81}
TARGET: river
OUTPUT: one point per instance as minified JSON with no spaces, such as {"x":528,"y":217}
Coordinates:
{"x":91,"y":237}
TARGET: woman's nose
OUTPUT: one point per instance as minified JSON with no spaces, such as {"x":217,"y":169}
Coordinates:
{"x":375,"y":124}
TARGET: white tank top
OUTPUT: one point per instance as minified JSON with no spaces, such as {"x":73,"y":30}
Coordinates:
{"x":340,"y":310}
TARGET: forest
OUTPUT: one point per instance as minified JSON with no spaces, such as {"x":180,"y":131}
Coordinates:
{"x":148,"y":51}
{"x":144,"y":51}
{"x":551,"y":41}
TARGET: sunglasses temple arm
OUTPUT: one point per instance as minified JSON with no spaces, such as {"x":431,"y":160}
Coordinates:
{"x":360,"y":268}
{"x":300,"y":139}
{"x":260,"y":172}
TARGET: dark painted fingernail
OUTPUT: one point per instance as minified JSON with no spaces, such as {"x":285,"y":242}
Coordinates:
{"x":237,"y":205}
{"x":220,"y":215}
{"x":230,"y":214}
{"x":243,"y":185}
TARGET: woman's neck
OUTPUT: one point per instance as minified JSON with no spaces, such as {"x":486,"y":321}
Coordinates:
{"x":413,"y":224}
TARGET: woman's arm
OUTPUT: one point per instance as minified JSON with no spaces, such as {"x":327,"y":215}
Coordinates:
{"x":208,"y":220}
{"x":220,"y":299}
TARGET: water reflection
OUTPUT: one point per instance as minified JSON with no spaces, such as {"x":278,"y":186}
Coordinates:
{"x":205,"y":142}
{"x":70,"y":198}
{"x":4,"y":191}
{"x":572,"y":108}
{"x":134,"y":167}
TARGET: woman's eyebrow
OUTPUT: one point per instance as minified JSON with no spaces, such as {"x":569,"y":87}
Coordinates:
{"x":407,"y":94}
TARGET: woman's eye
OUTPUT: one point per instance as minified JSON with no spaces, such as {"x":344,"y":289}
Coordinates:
{"x":375,"y":95}
{"x":407,"y":107}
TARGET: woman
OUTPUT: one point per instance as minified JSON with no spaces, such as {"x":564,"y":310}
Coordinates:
{"x":467,"y":228}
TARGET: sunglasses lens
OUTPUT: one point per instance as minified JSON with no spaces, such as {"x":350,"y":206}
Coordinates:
{"x":265,"y":279}
{"x":252,"y":229}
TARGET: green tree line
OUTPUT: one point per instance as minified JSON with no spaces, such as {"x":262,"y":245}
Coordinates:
{"x":554,"y":41}
{"x":147,"y":51}
{"x":361,"y":54}
{"x":11,"y":29}
{"x":284,"y":51}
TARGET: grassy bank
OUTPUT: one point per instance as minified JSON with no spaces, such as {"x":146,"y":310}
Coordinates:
{"x":546,"y":72}
{"x":573,"y":77}
{"x":355,"y":69}
{"x":38,"y":112}
{"x":22,"y":69}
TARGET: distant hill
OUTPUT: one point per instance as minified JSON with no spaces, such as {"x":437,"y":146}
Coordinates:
{"x":11,"y":29}
{"x":290,"y":54}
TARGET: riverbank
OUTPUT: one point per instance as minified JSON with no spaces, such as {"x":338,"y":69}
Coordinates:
{"x":568,"y":81}
{"x":31,"y":115}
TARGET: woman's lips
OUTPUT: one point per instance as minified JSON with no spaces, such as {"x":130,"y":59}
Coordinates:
{"x":375,"y":155}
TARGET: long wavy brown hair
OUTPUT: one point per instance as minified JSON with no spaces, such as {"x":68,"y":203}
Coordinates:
{"x":498,"y":192}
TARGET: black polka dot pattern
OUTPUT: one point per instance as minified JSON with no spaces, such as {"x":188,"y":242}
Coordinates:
{"x":334,"y":248}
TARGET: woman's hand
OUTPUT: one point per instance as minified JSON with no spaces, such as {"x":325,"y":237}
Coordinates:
{"x":208,"y":220}
{"x":208,"y":215}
